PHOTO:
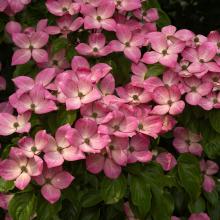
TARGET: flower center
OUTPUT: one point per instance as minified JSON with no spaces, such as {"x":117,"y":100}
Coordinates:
{"x":218,"y":44}
{"x":193,"y":89}
{"x":34,"y":149}
{"x":64,"y":9}
{"x":135,"y":97}
{"x":215,"y":100}
{"x":215,"y":79}
{"x":140,"y":126}
{"x":196,"y":39}
{"x":33,"y":106}
{"x":24,"y":169}
{"x":118,"y":3}
{"x":116,"y":127}
{"x":31,"y":47}
{"x":47,"y":181}
{"x":201,"y":61}
{"x":188,"y":142}
{"x":60,"y":150}
{"x":80,"y":94}
{"x":127,"y":44}
{"x":98,"y":18}
{"x":87,"y":141}
{"x":95,"y":49}
{"x":16,"y":125}
{"x":184,"y":67}
{"x":164,"y":52}
{"x":94,"y":115}
{"x":111,"y":147}
{"x":169,"y":102}
{"x":131,"y":149}
{"x":55,"y":62}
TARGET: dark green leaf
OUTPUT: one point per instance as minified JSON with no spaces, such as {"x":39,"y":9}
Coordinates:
{"x":90,"y":214}
{"x":155,"y":70}
{"x":197,"y":206}
{"x":190,"y":175}
{"x":5,"y":186}
{"x":27,"y":69}
{"x":113,"y":190}
{"x":23,"y":206}
{"x":214,"y":118}
{"x":212,"y":197}
{"x":91,"y":198}
{"x":164,"y":19}
{"x":59,"y":44}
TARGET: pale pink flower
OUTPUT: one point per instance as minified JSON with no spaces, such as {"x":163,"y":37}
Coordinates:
{"x":166,"y":160}
{"x":6,"y":107}
{"x":95,"y":47}
{"x":199,"y":216}
{"x":208,"y":168}
{"x":168,"y":100}
{"x":10,"y":124}
{"x":59,"y":148}
{"x":139,"y":75}
{"x":107,"y":85}
{"x":79,"y":93}
{"x":2,"y":83}
{"x":36,"y":100}
{"x":138,"y":149}
{"x":196,"y":89}
{"x":214,"y":78}
{"x":127,"y":42}
{"x":100,"y":17}
{"x":30,"y":46}
{"x":31,"y":147}
{"x":120,"y":125}
{"x":168,"y":122}
{"x":214,"y":37}
{"x":62,"y":7}
{"x":185,"y":141}
{"x":203,"y":56}
{"x":85,"y":136}
{"x":53,"y":181}
{"x":133,"y":94}
{"x":163,"y":52}
{"x":20,"y":168}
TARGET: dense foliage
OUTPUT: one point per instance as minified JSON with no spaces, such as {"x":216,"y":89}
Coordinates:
{"x":107,"y":111}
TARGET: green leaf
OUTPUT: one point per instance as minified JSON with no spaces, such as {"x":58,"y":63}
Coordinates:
{"x":23,"y":206}
{"x":197,"y":206}
{"x":155,"y":70}
{"x":164,"y":19}
{"x":90,"y":214}
{"x":214,"y":118}
{"x":59,"y":44}
{"x":5,"y":186}
{"x":47,"y":211}
{"x":212,"y":147}
{"x":113,"y":190}
{"x":190,"y":175}
{"x":91,"y":198}
{"x":140,"y":195}
{"x":212,"y":197}
{"x":27,"y":69}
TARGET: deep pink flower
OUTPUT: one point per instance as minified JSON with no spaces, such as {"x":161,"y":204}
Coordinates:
{"x":196,"y":89}
{"x":199,"y":216}
{"x":31,"y":147}
{"x":168,"y":100}
{"x":138,"y":149}
{"x":30,"y":46}
{"x":62,"y":7}
{"x":13,"y":27}
{"x":14,"y":6}
{"x":20,"y":168}
{"x":139,"y":74}
{"x":59,"y":148}
{"x":202,"y":56}
{"x":211,"y":101}
{"x":127,"y":42}
{"x":6,"y":107}
{"x":10,"y":124}
{"x":95,"y":47}
{"x":208,"y":168}
{"x":79,"y":93}
{"x":186,"y":141}
{"x":85,"y":136}
{"x":4,"y":200}
{"x":100,"y":17}
{"x":53,"y":181}
{"x":127,"y":5}
{"x":119,"y":125}
{"x":166,"y":160}
{"x":163,"y":52}
{"x":95,"y":163}
{"x":168,"y":122}
{"x":107,"y":85}
{"x":35,"y":100}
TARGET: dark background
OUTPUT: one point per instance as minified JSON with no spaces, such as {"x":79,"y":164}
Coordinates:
{"x":200,"y":16}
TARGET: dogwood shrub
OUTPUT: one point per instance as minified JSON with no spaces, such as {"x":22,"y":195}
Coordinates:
{"x":107,"y":112}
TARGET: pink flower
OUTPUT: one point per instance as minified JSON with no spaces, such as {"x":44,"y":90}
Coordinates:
{"x":96,"y":111}
{"x":168,"y":122}
{"x":4,"y":200}
{"x":100,"y":17}
{"x":2,"y":83}
{"x":95,"y":163}
{"x":127,"y":5}
{"x":211,"y":101}
{"x":13,"y":27}
{"x":20,"y":168}
{"x":209,"y":168}
{"x":85,"y":136}
{"x":59,"y":148}
{"x":139,"y":74}
{"x":214,"y":37}
{"x":166,"y":160}
{"x":128,"y":211}
{"x":6,"y":107}
{"x":119,"y":125}
{"x":168,"y":100}
{"x":67,"y":24}
{"x":96,"y":46}
{"x":62,"y":7}
{"x":163,"y":52}
{"x":127,"y":42}
{"x":199,"y":216}
{"x":31,"y":147}
{"x":35,"y":101}
{"x":186,"y":141}
{"x":134,"y":95}
{"x":202,"y":56}
{"x":79,"y":93}
{"x":10,"y":124}
{"x":196,"y":89}
{"x":14,"y":6}
{"x":107,"y":85}
{"x":30,"y":46}
{"x":53,"y":181}
{"x":150,"y":15}
{"x":138,"y":149}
